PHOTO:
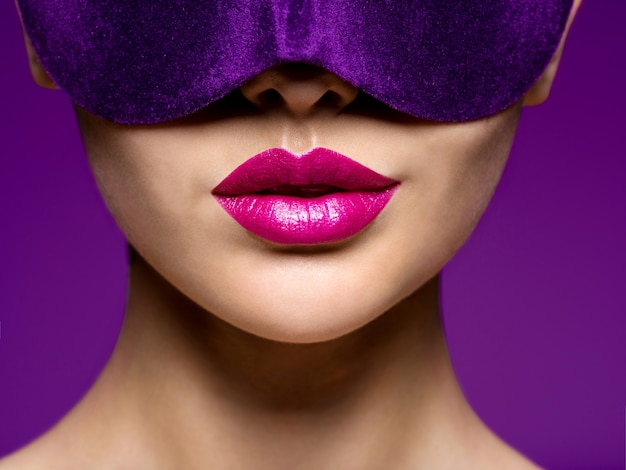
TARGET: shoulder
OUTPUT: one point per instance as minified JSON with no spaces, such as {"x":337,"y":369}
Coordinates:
{"x":79,"y":444}
{"x":71,"y":445}
{"x":30,"y":457}
{"x":495,"y":453}
{"x":51,"y":451}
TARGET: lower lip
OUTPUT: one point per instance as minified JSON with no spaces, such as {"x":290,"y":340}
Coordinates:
{"x":290,"y":220}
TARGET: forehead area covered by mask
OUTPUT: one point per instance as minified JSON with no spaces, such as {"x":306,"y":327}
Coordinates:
{"x":142,"y":63}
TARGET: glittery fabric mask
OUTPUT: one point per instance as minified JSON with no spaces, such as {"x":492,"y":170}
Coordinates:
{"x":149,"y":61}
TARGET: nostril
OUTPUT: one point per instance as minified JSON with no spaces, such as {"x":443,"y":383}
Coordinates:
{"x":329,"y":99}
{"x":271,"y":99}
{"x":298,"y":89}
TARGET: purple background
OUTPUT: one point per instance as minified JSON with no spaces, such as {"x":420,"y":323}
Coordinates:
{"x":534,"y":304}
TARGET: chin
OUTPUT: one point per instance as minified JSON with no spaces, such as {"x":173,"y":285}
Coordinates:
{"x":300,"y":327}
{"x":281,"y":317}
{"x":300,"y":306}
{"x":318,"y":313}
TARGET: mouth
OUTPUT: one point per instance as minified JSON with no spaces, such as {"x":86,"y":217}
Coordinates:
{"x":316,"y":198}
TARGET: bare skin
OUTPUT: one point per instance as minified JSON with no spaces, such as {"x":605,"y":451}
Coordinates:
{"x":342,"y":363}
{"x":364,"y":381}
{"x":357,"y":387}
{"x":360,"y":379}
{"x":190,"y":391}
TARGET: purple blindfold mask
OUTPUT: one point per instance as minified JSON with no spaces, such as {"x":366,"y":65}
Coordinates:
{"x":149,"y":61}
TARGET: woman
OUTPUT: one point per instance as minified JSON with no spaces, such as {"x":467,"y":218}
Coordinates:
{"x":311,"y":221}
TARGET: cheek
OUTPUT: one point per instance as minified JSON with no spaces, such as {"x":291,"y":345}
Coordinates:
{"x":159,"y":193}
{"x":453,"y":183}
{"x":469,"y":183}
{"x":147,"y":185}
{"x":472,"y":185}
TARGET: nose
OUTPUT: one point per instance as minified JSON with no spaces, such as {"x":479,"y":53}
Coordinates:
{"x":299,"y":89}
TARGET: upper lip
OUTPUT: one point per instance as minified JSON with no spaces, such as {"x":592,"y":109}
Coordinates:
{"x":317,"y":172}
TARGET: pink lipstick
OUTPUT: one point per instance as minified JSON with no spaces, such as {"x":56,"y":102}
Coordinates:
{"x":315,"y":198}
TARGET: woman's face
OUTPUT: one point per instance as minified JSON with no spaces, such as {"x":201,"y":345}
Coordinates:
{"x":157,"y":181}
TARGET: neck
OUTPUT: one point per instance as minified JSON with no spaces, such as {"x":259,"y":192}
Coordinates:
{"x":386,"y":391}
